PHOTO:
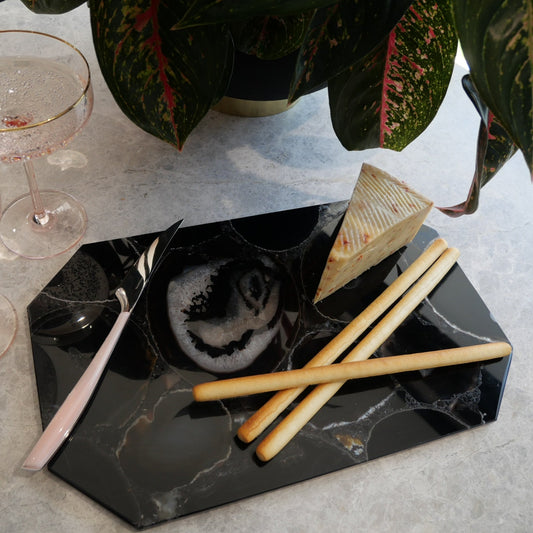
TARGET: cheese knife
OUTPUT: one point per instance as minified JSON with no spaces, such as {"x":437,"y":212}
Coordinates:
{"x":128,"y":294}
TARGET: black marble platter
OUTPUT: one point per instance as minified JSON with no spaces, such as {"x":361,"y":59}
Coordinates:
{"x":145,"y":450}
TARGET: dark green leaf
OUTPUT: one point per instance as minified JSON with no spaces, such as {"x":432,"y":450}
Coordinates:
{"x":270,"y":37}
{"x":497,"y":41}
{"x":52,"y":7}
{"x":165,"y":81}
{"x":339,"y":36}
{"x":494,"y":149}
{"x":390,"y":97}
{"x":215,"y":11}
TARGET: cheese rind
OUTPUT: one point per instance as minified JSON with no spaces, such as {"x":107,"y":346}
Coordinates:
{"x":383,"y":215}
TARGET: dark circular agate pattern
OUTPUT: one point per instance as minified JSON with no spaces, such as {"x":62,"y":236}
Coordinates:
{"x":62,"y":307}
{"x":225,"y":313}
{"x":223,"y":306}
{"x":278,"y":231}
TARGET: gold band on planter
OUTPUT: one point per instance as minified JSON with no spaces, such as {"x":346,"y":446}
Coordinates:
{"x":251,"y":108}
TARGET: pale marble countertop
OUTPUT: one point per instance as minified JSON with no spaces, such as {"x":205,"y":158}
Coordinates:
{"x":132,"y":183}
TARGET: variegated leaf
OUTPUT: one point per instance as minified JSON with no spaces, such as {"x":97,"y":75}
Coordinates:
{"x":497,"y":41}
{"x":215,"y":11}
{"x":494,"y":149}
{"x":165,"y":81}
{"x":270,"y":37}
{"x":341,"y":35}
{"x":392,"y":95}
{"x":52,"y":7}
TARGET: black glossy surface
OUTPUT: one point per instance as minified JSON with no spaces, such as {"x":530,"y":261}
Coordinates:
{"x":146,"y":451}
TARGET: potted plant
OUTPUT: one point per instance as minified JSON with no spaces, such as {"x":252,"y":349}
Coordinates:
{"x":387,"y":64}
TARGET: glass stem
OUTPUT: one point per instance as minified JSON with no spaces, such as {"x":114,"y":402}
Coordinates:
{"x":40,"y":215}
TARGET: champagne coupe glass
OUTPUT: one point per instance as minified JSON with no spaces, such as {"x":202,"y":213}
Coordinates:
{"x":45,"y":99}
{"x":8,"y":324}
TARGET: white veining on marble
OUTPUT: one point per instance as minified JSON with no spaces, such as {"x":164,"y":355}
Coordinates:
{"x":456,"y":327}
{"x":64,"y":300}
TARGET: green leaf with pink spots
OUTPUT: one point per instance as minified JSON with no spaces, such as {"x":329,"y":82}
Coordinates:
{"x":389,"y":97}
{"x":270,"y":37}
{"x":52,"y":7}
{"x":339,"y":36}
{"x":494,"y":149}
{"x":497,"y":41}
{"x":165,"y":81}
{"x":201,"y":12}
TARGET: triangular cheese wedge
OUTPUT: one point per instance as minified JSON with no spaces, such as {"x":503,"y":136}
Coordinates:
{"x":383,"y":215}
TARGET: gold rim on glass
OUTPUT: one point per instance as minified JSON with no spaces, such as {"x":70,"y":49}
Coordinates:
{"x":86,"y":88}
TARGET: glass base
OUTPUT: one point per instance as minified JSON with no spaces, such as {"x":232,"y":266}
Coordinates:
{"x":8,"y":324}
{"x":65,"y":225}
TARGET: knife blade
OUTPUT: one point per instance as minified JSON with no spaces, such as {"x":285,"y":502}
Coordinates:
{"x":128,"y":294}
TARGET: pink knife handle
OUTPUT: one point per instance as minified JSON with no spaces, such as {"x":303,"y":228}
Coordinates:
{"x":67,"y":415}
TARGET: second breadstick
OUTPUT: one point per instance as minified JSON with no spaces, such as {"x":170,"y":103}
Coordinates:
{"x":262,"y":418}
{"x":313,"y":402}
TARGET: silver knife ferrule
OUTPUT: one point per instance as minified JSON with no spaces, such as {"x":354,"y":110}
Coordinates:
{"x":122,"y":297}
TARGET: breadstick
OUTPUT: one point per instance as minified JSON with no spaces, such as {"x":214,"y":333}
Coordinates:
{"x":243,"y":386}
{"x":262,"y":418}
{"x":321,"y":394}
